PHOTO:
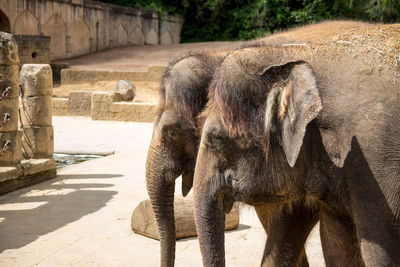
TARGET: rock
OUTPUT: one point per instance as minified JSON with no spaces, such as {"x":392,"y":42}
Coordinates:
{"x":126,"y":89}
{"x":117,"y":97}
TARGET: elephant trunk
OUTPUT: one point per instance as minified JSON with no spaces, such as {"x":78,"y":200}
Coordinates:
{"x":161,"y":191}
{"x":210,"y":225}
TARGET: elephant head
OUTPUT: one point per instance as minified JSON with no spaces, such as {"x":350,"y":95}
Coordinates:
{"x":174,"y":144}
{"x":303,"y":120}
{"x":251,"y":142}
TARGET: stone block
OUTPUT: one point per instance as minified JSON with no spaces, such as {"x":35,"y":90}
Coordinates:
{"x":37,"y":142}
{"x":155,"y":73}
{"x":12,"y":155}
{"x":143,"y":220}
{"x":9,"y":173}
{"x":9,"y":49}
{"x":33,"y":49}
{"x":147,"y":117}
{"x":79,"y":103}
{"x":75,"y":76}
{"x":60,"y":106}
{"x":33,"y":166}
{"x":9,"y":77}
{"x":9,"y":115}
{"x":29,"y":172}
{"x":101,"y":106}
{"x":125,"y":111}
{"x":36,"y":111}
{"x":37,"y":80}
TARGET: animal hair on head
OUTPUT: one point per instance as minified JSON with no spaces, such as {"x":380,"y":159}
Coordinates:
{"x":191,"y":97}
{"x":239,"y":100}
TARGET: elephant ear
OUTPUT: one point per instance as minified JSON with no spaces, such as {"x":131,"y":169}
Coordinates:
{"x":299,"y":103}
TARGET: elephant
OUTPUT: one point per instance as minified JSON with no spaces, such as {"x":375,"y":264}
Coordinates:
{"x":183,"y":94}
{"x":173,"y":150}
{"x":319,"y":121}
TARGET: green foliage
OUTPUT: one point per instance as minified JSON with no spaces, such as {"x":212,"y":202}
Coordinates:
{"x":207,"y":20}
{"x":210,"y":20}
{"x":171,"y":6}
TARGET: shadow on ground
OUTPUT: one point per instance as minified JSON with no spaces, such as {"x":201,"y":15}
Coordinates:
{"x":31,"y":212}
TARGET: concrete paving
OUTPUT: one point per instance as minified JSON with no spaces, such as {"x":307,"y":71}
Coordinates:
{"x":140,"y":57}
{"x":82,"y":217}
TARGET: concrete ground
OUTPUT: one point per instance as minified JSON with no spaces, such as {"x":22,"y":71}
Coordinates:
{"x":82,"y":217}
{"x":140,"y":57}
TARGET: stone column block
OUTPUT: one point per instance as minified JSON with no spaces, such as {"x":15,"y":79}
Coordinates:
{"x":38,"y":142}
{"x":10,"y":137}
{"x":36,"y":111}
{"x":37,"y":80}
{"x":9,"y":77}
{"x":9,"y":114}
{"x":12,"y":155}
{"x":9,"y":49}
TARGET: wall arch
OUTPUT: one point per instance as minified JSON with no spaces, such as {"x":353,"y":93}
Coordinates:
{"x":26,"y":24}
{"x":79,"y":36}
{"x":100,"y":36}
{"x":122,"y":35}
{"x":56,"y":29}
{"x":138,"y":36}
{"x":4,"y":22}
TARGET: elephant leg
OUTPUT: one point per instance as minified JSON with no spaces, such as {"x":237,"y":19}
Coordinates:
{"x":339,"y":240}
{"x":287,"y":232}
{"x":374,"y":206}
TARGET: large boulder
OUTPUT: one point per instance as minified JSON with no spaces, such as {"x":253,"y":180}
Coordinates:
{"x":126,"y":90}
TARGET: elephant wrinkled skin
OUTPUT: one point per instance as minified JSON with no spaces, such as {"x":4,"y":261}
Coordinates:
{"x":318,"y":121}
{"x":173,"y":152}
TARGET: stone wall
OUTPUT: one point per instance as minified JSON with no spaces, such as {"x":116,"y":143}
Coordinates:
{"x":33,"y":49}
{"x":78,"y":27}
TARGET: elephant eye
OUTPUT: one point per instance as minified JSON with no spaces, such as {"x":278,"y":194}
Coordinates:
{"x":218,"y":144}
{"x":243,"y":143}
{"x":171,"y":133}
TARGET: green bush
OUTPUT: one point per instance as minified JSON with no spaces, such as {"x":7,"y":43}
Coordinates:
{"x":211,"y":20}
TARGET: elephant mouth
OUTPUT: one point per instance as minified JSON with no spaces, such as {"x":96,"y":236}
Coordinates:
{"x":187,"y":178}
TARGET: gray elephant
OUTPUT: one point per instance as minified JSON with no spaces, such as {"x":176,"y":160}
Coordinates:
{"x":173,"y":150}
{"x":182,"y":96}
{"x":175,"y":139}
{"x":318,"y":121}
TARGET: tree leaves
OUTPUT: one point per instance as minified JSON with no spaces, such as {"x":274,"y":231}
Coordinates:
{"x":212,"y":20}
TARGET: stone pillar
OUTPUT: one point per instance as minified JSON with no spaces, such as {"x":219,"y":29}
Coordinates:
{"x":10,"y":137}
{"x":36,"y":111}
